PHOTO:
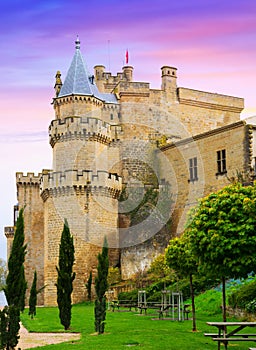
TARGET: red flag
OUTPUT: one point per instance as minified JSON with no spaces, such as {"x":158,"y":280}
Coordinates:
{"x":126,"y":57}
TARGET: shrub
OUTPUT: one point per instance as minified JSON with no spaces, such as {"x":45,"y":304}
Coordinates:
{"x":131,"y":296}
{"x":244,"y":297}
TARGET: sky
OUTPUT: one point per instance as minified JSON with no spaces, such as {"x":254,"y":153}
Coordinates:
{"x":212,"y":44}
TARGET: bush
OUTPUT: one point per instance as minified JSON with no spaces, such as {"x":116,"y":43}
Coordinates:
{"x":155,"y":297}
{"x":244,"y":297}
{"x":131,"y":296}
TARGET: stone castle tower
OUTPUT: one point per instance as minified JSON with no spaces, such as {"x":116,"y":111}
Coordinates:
{"x":106,"y":138}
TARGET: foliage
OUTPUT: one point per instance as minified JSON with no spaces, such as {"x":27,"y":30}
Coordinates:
{"x":180,"y":258}
{"x":101,"y":286}
{"x":66,"y":276}
{"x":3,"y":273}
{"x":222,"y":233}
{"x":200,"y":285}
{"x":88,"y":286}
{"x":33,"y":297}
{"x":131,"y":296}
{"x":9,"y":327}
{"x":159,"y":268}
{"x":244,"y":297}
{"x":114,"y":276}
{"x":16,"y":284}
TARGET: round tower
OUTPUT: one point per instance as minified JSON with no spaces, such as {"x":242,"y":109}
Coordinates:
{"x":79,"y":187}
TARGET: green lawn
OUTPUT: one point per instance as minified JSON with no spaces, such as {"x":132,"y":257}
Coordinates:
{"x":127,"y":329}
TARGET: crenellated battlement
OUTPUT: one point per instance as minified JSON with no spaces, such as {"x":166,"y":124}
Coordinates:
{"x":74,"y":179}
{"x":29,"y":178}
{"x":79,"y":98}
{"x":9,"y":231}
{"x":78,"y":128}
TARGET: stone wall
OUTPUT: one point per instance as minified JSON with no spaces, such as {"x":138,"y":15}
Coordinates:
{"x":29,"y":199}
{"x":234,"y":138}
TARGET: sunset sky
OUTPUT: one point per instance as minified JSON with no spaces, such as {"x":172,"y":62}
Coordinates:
{"x":211,"y":42}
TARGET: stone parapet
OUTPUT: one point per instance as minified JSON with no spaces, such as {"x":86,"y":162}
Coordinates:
{"x":72,"y":128}
{"x":210,"y":100}
{"x":29,"y":178}
{"x":102,"y":182}
{"x":133,"y":89}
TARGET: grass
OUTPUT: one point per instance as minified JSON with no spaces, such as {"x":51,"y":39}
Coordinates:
{"x":128,"y":329}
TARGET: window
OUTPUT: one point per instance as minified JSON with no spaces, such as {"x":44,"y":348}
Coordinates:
{"x":221,"y":162}
{"x":193,"y":169}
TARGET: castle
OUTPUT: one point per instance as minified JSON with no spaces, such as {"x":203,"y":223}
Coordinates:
{"x":113,"y":139}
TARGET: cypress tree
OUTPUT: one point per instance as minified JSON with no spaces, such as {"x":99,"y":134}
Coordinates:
{"x":33,"y":297}
{"x":66,"y":276}
{"x":9,"y":327}
{"x":16,"y":284}
{"x":101,"y":286}
{"x":89,"y":286}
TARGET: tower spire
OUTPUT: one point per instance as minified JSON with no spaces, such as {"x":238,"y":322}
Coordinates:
{"x":77,"y":43}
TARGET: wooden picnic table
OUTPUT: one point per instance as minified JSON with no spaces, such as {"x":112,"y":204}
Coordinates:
{"x":224,"y":335}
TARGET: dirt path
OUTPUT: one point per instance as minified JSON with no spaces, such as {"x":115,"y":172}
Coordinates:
{"x":33,"y":340}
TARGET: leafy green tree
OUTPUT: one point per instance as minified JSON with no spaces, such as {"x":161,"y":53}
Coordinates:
{"x":9,"y":327}
{"x":179,"y":257}
{"x":33,"y":297}
{"x":222,"y":234}
{"x":16,"y":284}
{"x":88,"y":286}
{"x":101,"y":286}
{"x":66,"y":276}
{"x":159,"y":269}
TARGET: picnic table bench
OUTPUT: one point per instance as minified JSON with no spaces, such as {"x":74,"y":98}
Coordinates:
{"x":117,"y":304}
{"x":224,"y":336}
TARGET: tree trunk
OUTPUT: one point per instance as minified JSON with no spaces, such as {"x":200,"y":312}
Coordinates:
{"x":192,"y":302}
{"x":224,"y":308}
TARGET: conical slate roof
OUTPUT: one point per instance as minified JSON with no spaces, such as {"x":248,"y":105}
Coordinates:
{"x":79,"y":82}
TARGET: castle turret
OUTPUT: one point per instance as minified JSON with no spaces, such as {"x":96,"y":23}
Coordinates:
{"x":128,"y":73}
{"x":81,"y":188}
{"x":99,"y":74}
{"x":169,"y":82}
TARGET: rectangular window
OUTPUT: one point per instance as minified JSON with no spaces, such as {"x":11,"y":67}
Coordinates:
{"x":221,"y":162}
{"x":193,"y":169}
